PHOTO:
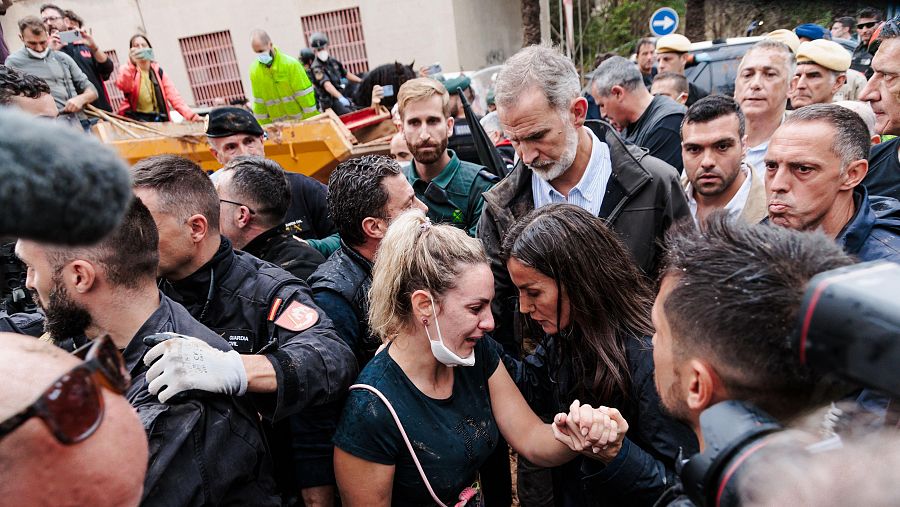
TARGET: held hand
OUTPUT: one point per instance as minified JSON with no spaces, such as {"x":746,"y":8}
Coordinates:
{"x":73,"y":105}
{"x":88,"y":40}
{"x":183,"y":363}
{"x":595,"y":432}
{"x":136,"y":55}
{"x":55,"y":42}
{"x":606,"y":434}
{"x":377,"y":95}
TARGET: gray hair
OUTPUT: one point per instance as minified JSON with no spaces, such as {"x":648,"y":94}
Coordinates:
{"x":864,"y":110}
{"x":543,"y":66}
{"x":616,"y":71}
{"x":491,"y":123}
{"x":851,"y":140}
{"x":778,"y":47}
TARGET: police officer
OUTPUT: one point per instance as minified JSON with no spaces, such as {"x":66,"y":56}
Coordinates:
{"x":451,"y":188}
{"x":291,"y":357}
{"x":329,"y":75}
{"x":307,"y":56}
{"x":461,"y":141}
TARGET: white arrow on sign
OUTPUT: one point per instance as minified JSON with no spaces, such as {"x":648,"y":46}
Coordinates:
{"x":665,"y":22}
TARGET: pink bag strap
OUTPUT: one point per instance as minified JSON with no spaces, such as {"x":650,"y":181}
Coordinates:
{"x":409,"y":446}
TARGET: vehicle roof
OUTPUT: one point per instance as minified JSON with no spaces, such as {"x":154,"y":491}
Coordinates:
{"x":731,"y":41}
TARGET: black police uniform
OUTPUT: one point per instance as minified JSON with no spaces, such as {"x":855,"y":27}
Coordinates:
{"x":240,"y":297}
{"x":331,"y":71}
{"x":307,"y":214}
{"x":206,"y":448}
{"x":281,"y":248}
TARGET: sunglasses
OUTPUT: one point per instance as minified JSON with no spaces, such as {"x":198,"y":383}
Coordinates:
{"x":72,"y":407}
{"x":870,"y":24}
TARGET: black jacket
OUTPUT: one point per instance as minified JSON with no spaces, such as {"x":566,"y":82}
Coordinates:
{"x":247,"y":296}
{"x":645,"y":466}
{"x":643,"y":198}
{"x":96,"y":72}
{"x":281,"y":248}
{"x":348,"y":275}
{"x":307,"y":215}
{"x":659,"y":130}
{"x":862,"y":59}
{"x":205,"y":449}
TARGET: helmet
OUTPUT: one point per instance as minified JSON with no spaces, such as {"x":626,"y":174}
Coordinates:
{"x":307,"y":56}
{"x":318,"y":40}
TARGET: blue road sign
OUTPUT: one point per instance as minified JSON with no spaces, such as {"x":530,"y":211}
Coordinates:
{"x":664,"y":21}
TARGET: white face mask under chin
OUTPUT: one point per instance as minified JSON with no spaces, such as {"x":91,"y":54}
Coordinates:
{"x":440,"y":351}
{"x":39,"y":54}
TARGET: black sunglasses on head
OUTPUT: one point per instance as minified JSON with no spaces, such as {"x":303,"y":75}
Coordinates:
{"x":72,"y":407}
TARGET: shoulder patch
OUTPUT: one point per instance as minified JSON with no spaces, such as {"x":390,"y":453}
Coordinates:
{"x":297,"y":317}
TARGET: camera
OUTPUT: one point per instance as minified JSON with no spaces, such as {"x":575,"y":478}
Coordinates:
{"x":848,"y":326}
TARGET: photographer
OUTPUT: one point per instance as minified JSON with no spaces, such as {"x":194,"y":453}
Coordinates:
{"x":83,"y":49}
{"x":727,"y":305}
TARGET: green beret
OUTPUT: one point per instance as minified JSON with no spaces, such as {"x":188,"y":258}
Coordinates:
{"x":458,"y":83}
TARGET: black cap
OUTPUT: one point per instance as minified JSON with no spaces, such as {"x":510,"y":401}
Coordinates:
{"x":228,"y":121}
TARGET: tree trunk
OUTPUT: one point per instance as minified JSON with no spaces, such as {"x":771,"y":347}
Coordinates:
{"x":531,"y":22}
{"x":695,"y":20}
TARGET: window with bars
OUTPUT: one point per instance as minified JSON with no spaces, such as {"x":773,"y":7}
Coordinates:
{"x":346,"y":41}
{"x":115,"y":94}
{"x":212,"y":68}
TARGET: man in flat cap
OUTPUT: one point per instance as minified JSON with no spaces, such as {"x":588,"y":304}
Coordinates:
{"x":672,"y":56}
{"x":820,"y":72}
{"x":233,"y":131}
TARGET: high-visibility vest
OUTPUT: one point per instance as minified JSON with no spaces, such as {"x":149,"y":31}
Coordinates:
{"x":281,"y":91}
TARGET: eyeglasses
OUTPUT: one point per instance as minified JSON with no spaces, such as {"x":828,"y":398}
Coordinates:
{"x":239,"y":204}
{"x":870,"y":24}
{"x":72,"y":407}
{"x":51,"y":18}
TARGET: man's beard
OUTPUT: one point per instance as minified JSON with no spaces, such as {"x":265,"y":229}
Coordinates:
{"x":64,"y":317}
{"x":672,"y":402}
{"x":549,"y":170}
{"x":431,"y":157}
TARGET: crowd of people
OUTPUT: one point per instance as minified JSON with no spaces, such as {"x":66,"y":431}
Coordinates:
{"x":256,"y":337}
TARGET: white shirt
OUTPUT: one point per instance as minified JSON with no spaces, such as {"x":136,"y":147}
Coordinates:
{"x":589,"y":191}
{"x":756,"y":157}
{"x":736,"y":205}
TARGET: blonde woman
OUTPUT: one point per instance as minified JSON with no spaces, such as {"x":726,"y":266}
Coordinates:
{"x":443,"y":379}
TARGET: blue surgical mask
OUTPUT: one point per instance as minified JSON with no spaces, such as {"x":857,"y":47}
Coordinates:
{"x":264,"y":58}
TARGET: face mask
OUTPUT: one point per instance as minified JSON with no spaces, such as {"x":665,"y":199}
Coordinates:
{"x":440,"y":351}
{"x":264,"y":58}
{"x":404,"y":166}
{"x":323,"y":55}
{"x":43,"y":54}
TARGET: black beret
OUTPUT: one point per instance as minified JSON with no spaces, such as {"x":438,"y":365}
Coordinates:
{"x":228,"y":121}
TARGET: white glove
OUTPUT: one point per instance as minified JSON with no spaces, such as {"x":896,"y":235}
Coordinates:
{"x":344,"y":101}
{"x":186,"y":363}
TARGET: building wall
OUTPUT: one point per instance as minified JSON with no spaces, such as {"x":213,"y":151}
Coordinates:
{"x":487,"y":33}
{"x":461,"y":34}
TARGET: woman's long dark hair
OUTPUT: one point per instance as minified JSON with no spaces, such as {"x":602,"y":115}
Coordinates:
{"x":609,"y":298}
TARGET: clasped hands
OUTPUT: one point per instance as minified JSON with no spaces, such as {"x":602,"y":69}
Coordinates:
{"x":597,"y":433}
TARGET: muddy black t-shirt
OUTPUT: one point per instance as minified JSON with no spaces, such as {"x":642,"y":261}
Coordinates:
{"x":452,"y":437}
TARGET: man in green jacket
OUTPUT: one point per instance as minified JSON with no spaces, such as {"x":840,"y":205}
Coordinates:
{"x":281,"y":89}
{"x":452,"y":189}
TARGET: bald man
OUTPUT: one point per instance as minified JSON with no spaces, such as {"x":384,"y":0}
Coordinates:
{"x":281,"y":89}
{"x":105,"y":469}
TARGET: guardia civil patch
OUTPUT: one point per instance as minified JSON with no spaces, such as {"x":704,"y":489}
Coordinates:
{"x":457,"y":216}
{"x":297,"y":317}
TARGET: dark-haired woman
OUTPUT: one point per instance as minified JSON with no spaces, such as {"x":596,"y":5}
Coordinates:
{"x":589,"y":308}
{"x":149,"y":93}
